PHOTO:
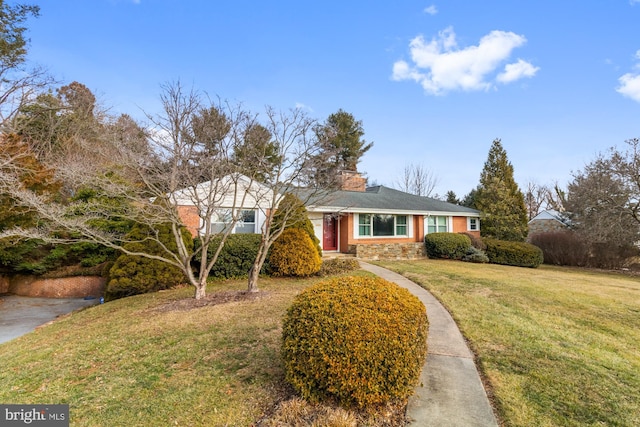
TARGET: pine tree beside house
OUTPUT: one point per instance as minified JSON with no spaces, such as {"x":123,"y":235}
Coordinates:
{"x":500,"y":199}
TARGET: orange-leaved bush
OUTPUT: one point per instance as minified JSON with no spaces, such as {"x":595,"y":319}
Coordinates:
{"x":358,"y":340}
{"x":294,"y":254}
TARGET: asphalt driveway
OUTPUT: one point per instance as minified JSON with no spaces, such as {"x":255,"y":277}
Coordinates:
{"x":19,"y":315}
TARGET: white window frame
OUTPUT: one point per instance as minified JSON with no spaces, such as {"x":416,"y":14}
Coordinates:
{"x":447,"y":224}
{"x":356,"y":229}
{"x":226,"y":214}
{"x":469,"y":224}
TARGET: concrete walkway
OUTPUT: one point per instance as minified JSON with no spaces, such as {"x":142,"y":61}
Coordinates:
{"x":450,"y":393}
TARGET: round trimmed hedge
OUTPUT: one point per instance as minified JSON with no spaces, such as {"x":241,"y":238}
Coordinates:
{"x":294,"y":254}
{"x":358,"y":340}
{"x":519,"y":254}
{"x":447,"y":245}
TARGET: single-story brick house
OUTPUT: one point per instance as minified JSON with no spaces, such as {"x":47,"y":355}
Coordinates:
{"x":371,"y":223}
{"x":380,"y":222}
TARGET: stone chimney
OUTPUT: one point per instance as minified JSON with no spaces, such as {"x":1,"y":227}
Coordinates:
{"x":351,"y":181}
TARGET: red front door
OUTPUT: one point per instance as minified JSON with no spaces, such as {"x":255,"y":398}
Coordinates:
{"x":329,"y":233}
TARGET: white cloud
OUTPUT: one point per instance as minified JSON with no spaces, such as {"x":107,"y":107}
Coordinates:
{"x":440,"y":66}
{"x":432,"y":10}
{"x":516,"y":71}
{"x":630,"y":86}
{"x":630,"y":82}
{"x":301,"y":106}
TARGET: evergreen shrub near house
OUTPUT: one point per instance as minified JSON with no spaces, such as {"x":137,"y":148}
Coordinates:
{"x":236,"y":257}
{"x":447,"y":245}
{"x":35,"y":257}
{"x":518,"y":254}
{"x":358,"y":340}
{"x":333,"y":266}
{"x":476,"y":241}
{"x":475,"y":255}
{"x":292,"y":212}
{"x":133,"y":274}
{"x":294,"y":254}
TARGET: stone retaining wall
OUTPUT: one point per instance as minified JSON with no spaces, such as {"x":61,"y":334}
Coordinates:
{"x":388,"y":251}
{"x":64,"y":287}
{"x":4,"y":285}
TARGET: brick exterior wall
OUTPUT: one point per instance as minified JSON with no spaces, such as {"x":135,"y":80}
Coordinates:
{"x":63,"y":287}
{"x":388,"y":251}
{"x":352,"y":181}
{"x":190,"y":218}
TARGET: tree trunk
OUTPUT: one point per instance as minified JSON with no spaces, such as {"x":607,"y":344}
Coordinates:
{"x":201,"y":290}
{"x":254,"y":274}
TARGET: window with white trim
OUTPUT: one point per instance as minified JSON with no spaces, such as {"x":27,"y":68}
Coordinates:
{"x":247,"y":222}
{"x":437,"y":224}
{"x":473,"y":224}
{"x":379,"y":225}
{"x":222,"y":219}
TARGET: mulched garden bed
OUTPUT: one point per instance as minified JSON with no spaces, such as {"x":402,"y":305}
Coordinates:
{"x":216,"y":298}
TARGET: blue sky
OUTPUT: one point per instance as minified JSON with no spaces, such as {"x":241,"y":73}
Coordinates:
{"x":434,"y":83}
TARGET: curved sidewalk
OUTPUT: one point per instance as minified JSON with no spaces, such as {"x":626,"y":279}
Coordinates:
{"x":450,"y":392}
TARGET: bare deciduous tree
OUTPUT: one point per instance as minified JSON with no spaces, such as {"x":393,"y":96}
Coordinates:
{"x":182,"y":163}
{"x":298,"y":151}
{"x":418,"y":180}
{"x":199,"y":154}
{"x":539,"y":197}
{"x":603,"y":200}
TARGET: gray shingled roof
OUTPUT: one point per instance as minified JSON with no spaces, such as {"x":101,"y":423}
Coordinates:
{"x":384,"y":199}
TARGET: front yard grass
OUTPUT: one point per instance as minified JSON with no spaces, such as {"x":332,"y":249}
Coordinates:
{"x":558,"y":347}
{"x":131,"y":363}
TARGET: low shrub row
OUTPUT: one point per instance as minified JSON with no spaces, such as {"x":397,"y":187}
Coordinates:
{"x":568,"y":248}
{"x":292,"y":254}
{"x":334,"y":266}
{"x":466,"y":247}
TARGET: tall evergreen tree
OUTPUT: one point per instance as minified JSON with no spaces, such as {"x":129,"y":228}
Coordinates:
{"x":452,"y":198}
{"x":341,"y":147}
{"x":344,"y":134}
{"x":500,"y":199}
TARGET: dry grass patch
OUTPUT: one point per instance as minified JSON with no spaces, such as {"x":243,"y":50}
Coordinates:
{"x":296,"y":412}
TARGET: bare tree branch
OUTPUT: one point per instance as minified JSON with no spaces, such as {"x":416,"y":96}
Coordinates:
{"x":418,"y":180}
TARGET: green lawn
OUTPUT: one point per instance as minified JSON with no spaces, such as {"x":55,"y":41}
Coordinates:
{"x":559,"y":347}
